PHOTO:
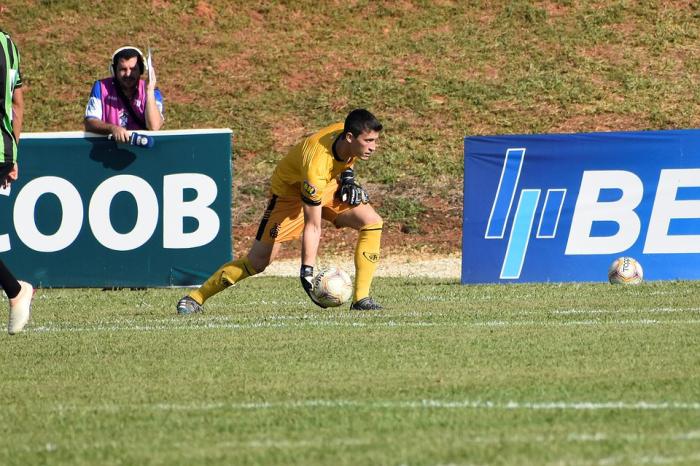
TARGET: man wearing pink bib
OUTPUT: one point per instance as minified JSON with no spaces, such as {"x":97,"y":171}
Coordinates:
{"x":124,"y":102}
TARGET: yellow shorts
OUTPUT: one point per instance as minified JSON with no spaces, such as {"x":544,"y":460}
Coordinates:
{"x":283,"y":219}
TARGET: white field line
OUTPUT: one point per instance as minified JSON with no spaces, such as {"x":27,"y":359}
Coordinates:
{"x":316,"y":442}
{"x":279,"y":443}
{"x":284,"y":443}
{"x":396,"y":405}
{"x":656,"y":310}
{"x":356,"y":315}
{"x":655,"y":459}
{"x":200,"y":320}
{"x":608,"y":461}
{"x":586,"y":437}
{"x":692,"y":435}
{"x":296,"y":444}
{"x":192,"y":324}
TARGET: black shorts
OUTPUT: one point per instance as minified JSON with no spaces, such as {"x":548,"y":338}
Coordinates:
{"x":5,"y":168}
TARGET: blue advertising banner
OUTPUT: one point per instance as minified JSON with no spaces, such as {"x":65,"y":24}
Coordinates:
{"x":562,"y":207}
{"x":88,"y":212}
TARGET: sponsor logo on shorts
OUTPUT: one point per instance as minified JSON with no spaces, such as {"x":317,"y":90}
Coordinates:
{"x":371,"y":256}
{"x":275,"y":230}
{"x":309,"y":189}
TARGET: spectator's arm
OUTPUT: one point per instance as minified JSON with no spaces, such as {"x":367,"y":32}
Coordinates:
{"x":154,"y":119}
{"x":152,"y":114}
{"x":93,"y":125}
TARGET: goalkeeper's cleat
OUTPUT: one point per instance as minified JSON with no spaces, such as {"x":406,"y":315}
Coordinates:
{"x":366,"y":304}
{"x":188,"y":305}
{"x":20,"y":308}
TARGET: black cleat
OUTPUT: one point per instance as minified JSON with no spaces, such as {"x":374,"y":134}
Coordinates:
{"x":366,"y":304}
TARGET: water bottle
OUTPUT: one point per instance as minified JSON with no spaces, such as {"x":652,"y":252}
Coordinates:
{"x":138,"y":139}
{"x":141,"y":140}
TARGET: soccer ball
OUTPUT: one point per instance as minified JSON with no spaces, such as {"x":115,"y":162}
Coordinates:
{"x":625,"y":271}
{"x":332,"y":287}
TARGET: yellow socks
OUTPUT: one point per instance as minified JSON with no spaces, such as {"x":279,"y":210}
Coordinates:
{"x":227,"y":275}
{"x":366,"y":258}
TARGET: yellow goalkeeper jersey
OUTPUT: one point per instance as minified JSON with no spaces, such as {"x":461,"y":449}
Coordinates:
{"x":309,"y":166}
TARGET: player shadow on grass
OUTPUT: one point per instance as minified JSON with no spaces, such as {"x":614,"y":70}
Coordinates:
{"x":110,"y":154}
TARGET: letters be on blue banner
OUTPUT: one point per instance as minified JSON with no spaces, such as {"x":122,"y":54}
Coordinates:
{"x":562,"y":207}
{"x":88,"y":212}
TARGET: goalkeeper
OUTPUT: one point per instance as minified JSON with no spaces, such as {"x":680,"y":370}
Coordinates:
{"x":314,"y":181}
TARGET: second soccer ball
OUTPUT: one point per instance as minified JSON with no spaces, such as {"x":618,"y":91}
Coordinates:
{"x":625,"y":271}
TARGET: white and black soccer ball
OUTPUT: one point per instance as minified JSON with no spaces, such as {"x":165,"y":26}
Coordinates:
{"x":625,"y":271}
{"x":332,"y":287}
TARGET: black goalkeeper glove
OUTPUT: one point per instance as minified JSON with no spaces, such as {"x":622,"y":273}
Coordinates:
{"x":351,"y":192}
{"x":306,"y":274}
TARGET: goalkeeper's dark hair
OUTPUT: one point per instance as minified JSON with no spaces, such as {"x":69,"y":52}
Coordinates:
{"x":360,"y":120}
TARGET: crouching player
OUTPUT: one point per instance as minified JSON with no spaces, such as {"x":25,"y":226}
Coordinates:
{"x":314,"y":181}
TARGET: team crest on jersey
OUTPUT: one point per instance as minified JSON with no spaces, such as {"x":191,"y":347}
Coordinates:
{"x":123,"y":119}
{"x":371,"y":256}
{"x":309,"y":189}
{"x":275,"y":230}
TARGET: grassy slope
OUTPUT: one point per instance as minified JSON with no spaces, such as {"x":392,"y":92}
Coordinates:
{"x":432,"y":71}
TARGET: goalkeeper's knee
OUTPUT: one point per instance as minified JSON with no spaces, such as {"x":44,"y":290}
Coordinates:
{"x":369,"y":219}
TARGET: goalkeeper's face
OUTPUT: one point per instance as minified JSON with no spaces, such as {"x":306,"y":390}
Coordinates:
{"x":364,"y":145}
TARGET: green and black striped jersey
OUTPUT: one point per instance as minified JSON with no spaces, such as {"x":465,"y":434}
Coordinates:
{"x":10,"y":79}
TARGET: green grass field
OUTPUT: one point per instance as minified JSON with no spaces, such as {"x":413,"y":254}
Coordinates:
{"x":583,"y":374}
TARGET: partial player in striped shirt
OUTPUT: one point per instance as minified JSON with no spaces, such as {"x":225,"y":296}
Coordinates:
{"x":12,"y":111}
